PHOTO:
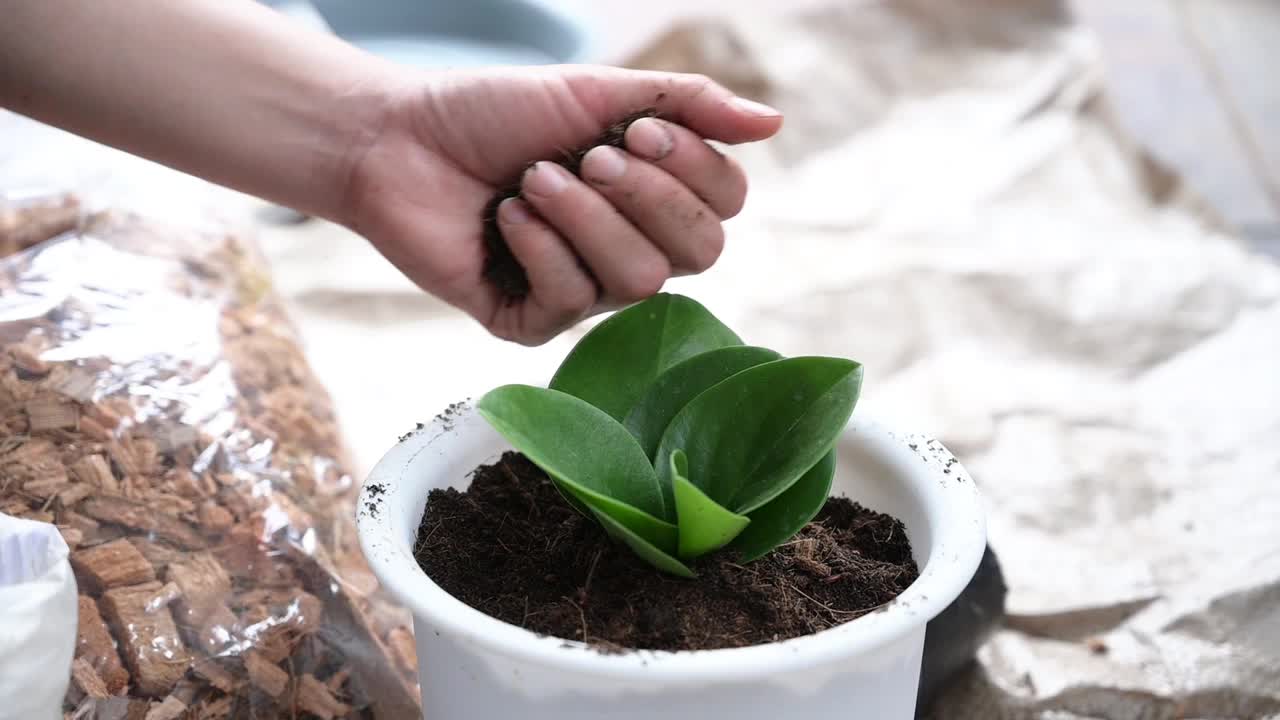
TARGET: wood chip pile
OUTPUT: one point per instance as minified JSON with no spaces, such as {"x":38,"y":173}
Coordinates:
{"x":155,"y":406}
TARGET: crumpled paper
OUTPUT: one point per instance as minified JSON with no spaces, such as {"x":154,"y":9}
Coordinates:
{"x":952,"y":203}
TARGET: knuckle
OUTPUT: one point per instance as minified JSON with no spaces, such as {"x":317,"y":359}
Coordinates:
{"x":700,"y":83}
{"x":511,"y":332}
{"x":503,"y":331}
{"x":734,"y":196}
{"x":533,"y":340}
{"x":734,"y":204}
{"x":705,"y":253}
{"x":573,"y":300}
{"x":645,"y":280}
{"x":731,"y":207}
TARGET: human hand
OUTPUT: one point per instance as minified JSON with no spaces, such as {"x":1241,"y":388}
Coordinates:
{"x":418,"y":185}
{"x":308,"y":121}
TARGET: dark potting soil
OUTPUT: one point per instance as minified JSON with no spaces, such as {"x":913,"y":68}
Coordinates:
{"x":501,"y":267}
{"x":511,"y":547}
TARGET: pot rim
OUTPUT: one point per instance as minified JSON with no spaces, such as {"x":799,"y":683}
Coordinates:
{"x":951,"y":503}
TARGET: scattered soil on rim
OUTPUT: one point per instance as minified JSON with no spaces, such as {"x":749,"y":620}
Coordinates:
{"x":511,"y":547}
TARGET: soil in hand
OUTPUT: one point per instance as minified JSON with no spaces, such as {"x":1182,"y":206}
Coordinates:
{"x":511,"y":547}
{"x":501,"y":267}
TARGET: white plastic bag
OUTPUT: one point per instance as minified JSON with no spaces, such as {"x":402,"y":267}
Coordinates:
{"x":37,"y":619}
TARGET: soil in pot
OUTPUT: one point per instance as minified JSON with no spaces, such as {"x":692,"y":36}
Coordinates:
{"x":512,"y":548}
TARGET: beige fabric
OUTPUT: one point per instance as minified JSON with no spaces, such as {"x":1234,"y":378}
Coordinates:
{"x":951,"y":204}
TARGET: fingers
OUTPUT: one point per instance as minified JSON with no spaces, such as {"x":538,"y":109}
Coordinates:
{"x":560,"y":291}
{"x":627,"y":223}
{"x":633,"y":219}
{"x":637,"y":215}
{"x":716,"y":178}
{"x":666,"y":210}
{"x":694,"y":101}
{"x":627,"y":264}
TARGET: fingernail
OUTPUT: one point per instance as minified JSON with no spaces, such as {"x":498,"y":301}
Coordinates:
{"x":649,"y":138}
{"x":545,"y":179}
{"x":751,"y":107}
{"x":513,"y":211}
{"x":603,"y":163}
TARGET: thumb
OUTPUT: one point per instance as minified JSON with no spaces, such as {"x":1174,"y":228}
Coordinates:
{"x":694,"y":101}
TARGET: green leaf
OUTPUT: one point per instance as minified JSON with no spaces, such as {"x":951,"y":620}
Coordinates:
{"x":778,"y":520}
{"x":645,"y":549}
{"x":661,"y":533}
{"x":683,"y":382}
{"x":589,"y":455}
{"x":704,"y":525}
{"x":750,"y":437}
{"x":613,"y":365}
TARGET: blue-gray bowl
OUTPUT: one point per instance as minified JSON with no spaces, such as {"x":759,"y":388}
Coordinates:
{"x":454,"y":33}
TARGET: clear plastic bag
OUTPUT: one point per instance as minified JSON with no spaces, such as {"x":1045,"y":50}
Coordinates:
{"x":155,"y":406}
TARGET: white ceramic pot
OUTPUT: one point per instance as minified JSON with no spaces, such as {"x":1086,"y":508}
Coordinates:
{"x":474,"y":667}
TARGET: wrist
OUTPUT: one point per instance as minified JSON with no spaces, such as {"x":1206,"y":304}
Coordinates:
{"x":390,"y":131}
{"x":360,"y":111}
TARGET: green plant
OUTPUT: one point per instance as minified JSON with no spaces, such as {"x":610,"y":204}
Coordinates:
{"x":678,"y":438}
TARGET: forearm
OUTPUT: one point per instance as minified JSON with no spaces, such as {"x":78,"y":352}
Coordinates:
{"x":227,"y":90}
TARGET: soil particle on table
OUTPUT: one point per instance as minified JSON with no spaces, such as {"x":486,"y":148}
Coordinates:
{"x":511,"y":547}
